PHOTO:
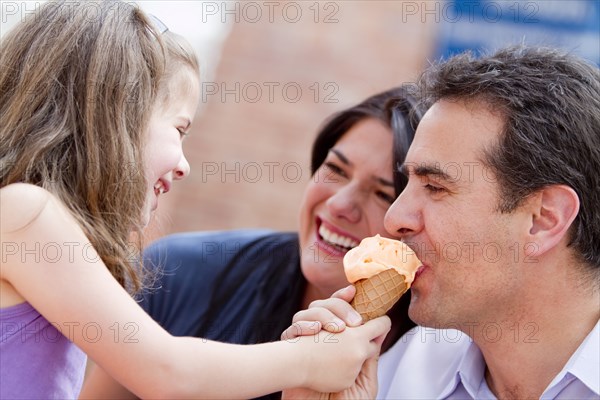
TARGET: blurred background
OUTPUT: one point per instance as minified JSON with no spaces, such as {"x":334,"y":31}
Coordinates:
{"x":273,"y":71}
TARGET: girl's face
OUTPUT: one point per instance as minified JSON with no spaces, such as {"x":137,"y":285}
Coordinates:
{"x":345,"y":202}
{"x":168,"y":125}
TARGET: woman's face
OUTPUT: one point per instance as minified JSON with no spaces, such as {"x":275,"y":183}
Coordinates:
{"x":345,"y":202}
{"x":168,"y":125}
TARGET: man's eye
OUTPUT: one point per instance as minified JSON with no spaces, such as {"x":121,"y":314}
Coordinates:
{"x":433,"y":189}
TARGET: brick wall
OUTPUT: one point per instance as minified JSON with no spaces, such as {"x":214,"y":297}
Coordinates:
{"x":277,"y":80}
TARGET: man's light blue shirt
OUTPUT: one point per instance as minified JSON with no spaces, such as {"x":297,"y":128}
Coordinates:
{"x":446,"y":364}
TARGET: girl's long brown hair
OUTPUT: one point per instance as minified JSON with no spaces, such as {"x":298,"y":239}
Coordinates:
{"x":78,"y":82}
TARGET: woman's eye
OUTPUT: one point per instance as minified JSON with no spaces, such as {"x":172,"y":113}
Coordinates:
{"x":335,"y":169}
{"x":385,"y":196}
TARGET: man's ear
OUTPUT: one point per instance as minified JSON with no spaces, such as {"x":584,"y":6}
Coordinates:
{"x":554,"y":209}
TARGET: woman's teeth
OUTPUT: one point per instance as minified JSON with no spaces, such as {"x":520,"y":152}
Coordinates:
{"x":159,"y":189}
{"x":335,"y":239}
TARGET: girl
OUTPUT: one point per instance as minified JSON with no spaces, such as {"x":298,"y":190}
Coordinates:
{"x":94,"y":102}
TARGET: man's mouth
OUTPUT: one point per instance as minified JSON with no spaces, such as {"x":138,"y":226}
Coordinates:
{"x":336,"y":240}
{"x":419,"y":270}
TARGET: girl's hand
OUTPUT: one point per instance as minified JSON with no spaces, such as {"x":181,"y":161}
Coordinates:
{"x":333,"y":315}
{"x":336,"y":359}
{"x":365,"y":387}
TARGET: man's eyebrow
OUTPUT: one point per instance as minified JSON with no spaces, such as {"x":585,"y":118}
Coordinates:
{"x":425,"y":170}
{"x":341,"y":156}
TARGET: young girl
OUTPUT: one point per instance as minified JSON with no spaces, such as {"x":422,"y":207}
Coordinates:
{"x":94,"y":102}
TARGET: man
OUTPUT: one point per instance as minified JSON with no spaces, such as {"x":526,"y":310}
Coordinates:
{"x":503,"y":209}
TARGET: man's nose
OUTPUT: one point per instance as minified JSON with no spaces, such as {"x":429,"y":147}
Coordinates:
{"x":403,"y":219}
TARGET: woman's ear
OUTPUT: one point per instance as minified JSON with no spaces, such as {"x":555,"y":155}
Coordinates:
{"x":554,"y":210}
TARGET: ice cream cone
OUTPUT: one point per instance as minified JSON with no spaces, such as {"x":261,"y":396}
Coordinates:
{"x":377,"y":294}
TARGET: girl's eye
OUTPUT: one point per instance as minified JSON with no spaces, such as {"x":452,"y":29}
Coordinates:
{"x":335,"y":169}
{"x":182,"y":133}
{"x":385,"y":196}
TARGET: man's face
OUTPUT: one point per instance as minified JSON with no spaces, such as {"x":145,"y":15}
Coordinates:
{"x":449,"y":215}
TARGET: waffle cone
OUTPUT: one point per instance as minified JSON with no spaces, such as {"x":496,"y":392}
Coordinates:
{"x":377,"y":294}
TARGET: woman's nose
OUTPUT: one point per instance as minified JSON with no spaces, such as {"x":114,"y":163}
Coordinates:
{"x":345,"y":204}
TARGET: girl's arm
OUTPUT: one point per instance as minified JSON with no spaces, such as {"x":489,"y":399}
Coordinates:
{"x":65,"y":280}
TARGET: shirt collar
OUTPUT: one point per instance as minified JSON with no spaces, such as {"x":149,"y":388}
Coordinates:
{"x":472,"y":369}
{"x":584,"y":364}
{"x":470,"y":372}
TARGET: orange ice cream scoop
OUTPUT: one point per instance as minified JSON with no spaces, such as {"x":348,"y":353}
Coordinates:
{"x":382,"y":270}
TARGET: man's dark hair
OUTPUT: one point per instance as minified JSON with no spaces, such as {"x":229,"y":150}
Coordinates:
{"x":550,"y":103}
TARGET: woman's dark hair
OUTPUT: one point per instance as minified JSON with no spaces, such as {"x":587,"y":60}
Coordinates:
{"x":395,"y":108}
